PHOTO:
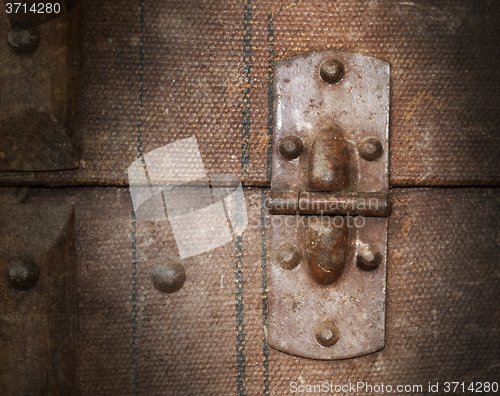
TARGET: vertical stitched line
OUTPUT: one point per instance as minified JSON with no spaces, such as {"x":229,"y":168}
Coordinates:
{"x":270,"y":93}
{"x":135,"y":365}
{"x":247,"y":66}
{"x":135,"y":381}
{"x":265,"y":348}
{"x":245,"y":160}
{"x":240,"y":326}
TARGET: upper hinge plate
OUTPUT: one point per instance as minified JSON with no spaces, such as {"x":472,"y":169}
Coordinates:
{"x":358,"y":104}
{"x":329,"y":205}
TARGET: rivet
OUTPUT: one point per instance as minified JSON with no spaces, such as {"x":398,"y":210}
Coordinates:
{"x":23,"y":40}
{"x":168,"y":276}
{"x":369,"y":258}
{"x":332,"y":71}
{"x":370,"y":149}
{"x":288,"y":256}
{"x":327,"y":334}
{"x":290,"y":147}
{"x":23,"y":273}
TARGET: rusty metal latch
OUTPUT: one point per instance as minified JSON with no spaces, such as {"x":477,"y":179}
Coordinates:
{"x":329,"y":203}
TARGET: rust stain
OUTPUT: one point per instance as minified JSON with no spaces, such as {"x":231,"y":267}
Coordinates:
{"x":261,"y":140}
{"x":406,"y":227}
{"x":417,"y":101}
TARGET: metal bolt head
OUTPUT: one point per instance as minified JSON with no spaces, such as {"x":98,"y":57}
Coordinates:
{"x":23,"y":40}
{"x":370,"y":149}
{"x":327,"y":334}
{"x":332,"y":71}
{"x":290,"y":147}
{"x":168,"y":276}
{"x":23,"y":273}
{"x":369,"y":258}
{"x":288,"y":256}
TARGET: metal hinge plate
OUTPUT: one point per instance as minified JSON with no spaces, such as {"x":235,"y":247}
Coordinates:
{"x":328,"y":245}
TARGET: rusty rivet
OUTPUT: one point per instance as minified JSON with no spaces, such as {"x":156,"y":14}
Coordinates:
{"x":168,"y":276}
{"x":290,"y":147}
{"x":327,"y":334}
{"x":332,"y":71}
{"x":23,"y":40}
{"x":23,"y":273}
{"x":288,"y":256}
{"x":370,"y":149}
{"x":369,"y":258}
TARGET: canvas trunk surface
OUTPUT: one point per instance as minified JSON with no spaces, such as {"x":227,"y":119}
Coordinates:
{"x":209,"y":338}
{"x":154,"y":72}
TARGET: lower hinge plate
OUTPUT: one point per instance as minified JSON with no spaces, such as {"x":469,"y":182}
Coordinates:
{"x":299,"y":307}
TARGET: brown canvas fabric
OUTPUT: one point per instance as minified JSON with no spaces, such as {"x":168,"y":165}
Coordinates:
{"x":155,"y":72}
{"x":208,"y":338}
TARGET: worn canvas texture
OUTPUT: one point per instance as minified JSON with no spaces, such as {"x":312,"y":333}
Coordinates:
{"x":210,"y":337}
{"x":158,"y":71}
{"x":154,"y":72}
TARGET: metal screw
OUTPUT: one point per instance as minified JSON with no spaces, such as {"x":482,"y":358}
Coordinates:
{"x":369,"y":258}
{"x":370,"y":149}
{"x":169,"y":276}
{"x":23,"y":273}
{"x":288,"y":256}
{"x":327,"y":334}
{"x":290,"y":147}
{"x":23,"y":40}
{"x":332,"y":71}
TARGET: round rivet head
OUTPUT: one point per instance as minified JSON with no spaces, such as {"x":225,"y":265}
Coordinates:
{"x":22,"y":40}
{"x":332,"y":71}
{"x":288,"y":256}
{"x":290,"y":147}
{"x":369,"y":258}
{"x":23,"y":273}
{"x":370,"y":149}
{"x":168,"y":276}
{"x":327,"y":334}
